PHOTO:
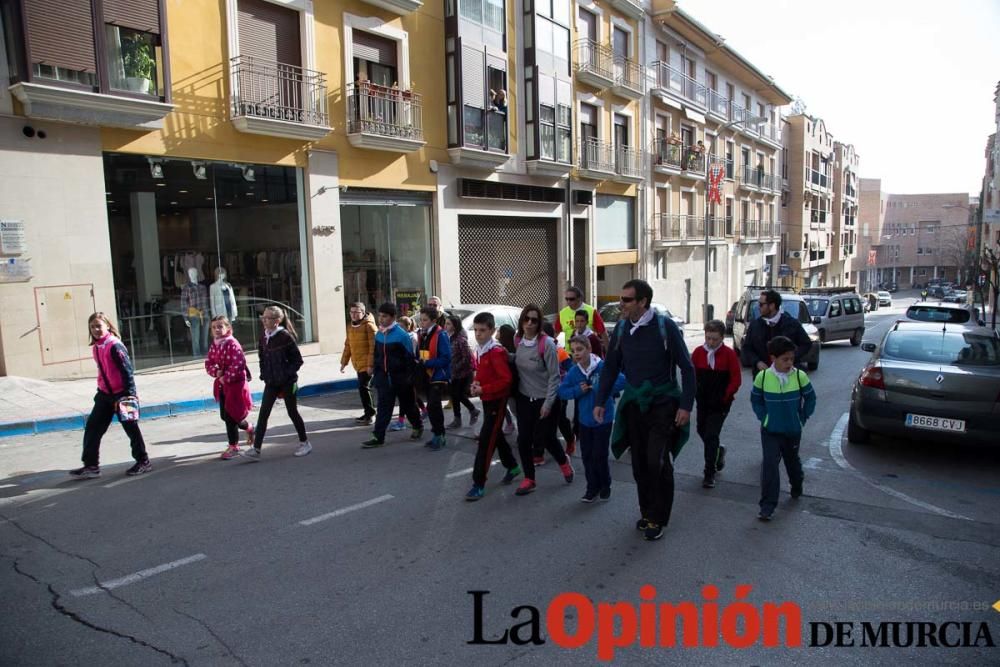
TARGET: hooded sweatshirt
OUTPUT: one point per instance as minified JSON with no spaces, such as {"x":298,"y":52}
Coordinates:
{"x":570,"y":390}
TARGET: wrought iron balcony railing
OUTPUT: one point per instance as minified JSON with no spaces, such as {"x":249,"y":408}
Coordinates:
{"x":275,"y":91}
{"x":383,"y":111}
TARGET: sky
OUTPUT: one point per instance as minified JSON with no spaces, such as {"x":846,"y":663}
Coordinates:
{"x":909,"y":83}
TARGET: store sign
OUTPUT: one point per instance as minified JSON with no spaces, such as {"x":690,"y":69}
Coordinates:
{"x":784,"y":271}
{"x":408,"y":301}
{"x":15,"y":270}
{"x":12,"y":237}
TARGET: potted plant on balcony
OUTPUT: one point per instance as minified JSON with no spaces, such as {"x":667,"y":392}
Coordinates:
{"x":138,"y":62}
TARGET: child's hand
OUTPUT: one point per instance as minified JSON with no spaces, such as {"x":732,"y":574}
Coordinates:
{"x":584,"y":387}
{"x":476,"y":389}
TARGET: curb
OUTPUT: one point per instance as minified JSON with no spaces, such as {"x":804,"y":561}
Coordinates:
{"x":157,"y":410}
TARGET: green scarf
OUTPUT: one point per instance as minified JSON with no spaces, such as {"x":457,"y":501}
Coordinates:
{"x":644,"y":396}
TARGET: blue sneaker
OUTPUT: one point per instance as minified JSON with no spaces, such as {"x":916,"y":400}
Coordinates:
{"x":397,"y":426}
{"x":437,"y":443}
{"x":475,"y":493}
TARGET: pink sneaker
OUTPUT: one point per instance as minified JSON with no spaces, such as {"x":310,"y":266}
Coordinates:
{"x":232,"y":451}
{"x":527,"y":486}
{"x":567,"y":471}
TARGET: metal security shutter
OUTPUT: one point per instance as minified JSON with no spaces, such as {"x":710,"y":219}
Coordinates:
{"x":378,"y":197}
{"x":508,"y":260}
{"x":473,"y":81}
{"x":141,"y":15}
{"x":62,"y":34}
{"x":373,"y":48}
{"x":269,"y":32}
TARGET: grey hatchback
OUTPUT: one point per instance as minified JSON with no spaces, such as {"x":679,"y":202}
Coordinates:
{"x":928,"y":380}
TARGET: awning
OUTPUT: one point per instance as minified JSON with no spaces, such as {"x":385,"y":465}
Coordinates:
{"x":670,"y":102}
{"x":694,"y":115}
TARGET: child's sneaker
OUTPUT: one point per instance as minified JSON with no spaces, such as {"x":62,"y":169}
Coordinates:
{"x":567,"y":471}
{"x":140,"y":467}
{"x":475,"y":493}
{"x":708,"y":482}
{"x":571,"y":447}
{"x":588,"y":497}
{"x":437,"y":443}
{"x":654,"y":531}
{"x":232,"y":451}
{"x":641,"y":524}
{"x":86,"y":472}
{"x":397,"y":426}
{"x":372,"y":443}
{"x":527,"y":486}
{"x":417,"y":434}
{"x":511,"y":475}
{"x":474,"y":417}
{"x":304,"y":448}
{"x":605,"y":494}
{"x":251,"y":453}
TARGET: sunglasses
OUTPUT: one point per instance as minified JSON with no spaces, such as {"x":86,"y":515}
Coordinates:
{"x":572,"y":299}
{"x":530,"y":318}
{"x":627,"y":299}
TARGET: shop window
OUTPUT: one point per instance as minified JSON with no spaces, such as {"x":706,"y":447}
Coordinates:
{"x":133,"y":60}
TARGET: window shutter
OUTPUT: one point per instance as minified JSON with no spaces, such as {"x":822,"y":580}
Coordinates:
{"x":62,"y":34}
{"x":141,"y":15}
{"x":473,"y":84}
{"x":373,"y":48}
{"x":269,"y":32}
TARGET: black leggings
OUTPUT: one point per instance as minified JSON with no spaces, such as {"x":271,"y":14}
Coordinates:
{"x":460,"y":396}
{"x":267,"y":402}
{"x":97,"y":425}
{"x":232,"y":426}
{"x":534,"y":430}
{"x":564,"y":424}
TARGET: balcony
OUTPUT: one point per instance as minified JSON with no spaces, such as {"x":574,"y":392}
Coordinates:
{"x":629,"y":164}
{"x":629,"y":79}
{"x":674,"y":83}
{"x":770,"y":133}
{"x":694,"y":164}
{"x":749,"y":231}
{"x":74,"y":105}
{"x":688,"y":229}
{"x":594,"y":64}
{"x":384,"y":119}
{"x":597,"y":160}
{"x":718,"y":105}
{"x":401,"y":7}
{"x":818,"y":179}
{"x":278,"y":100}
{"x":667,"y":157}
{"x":630,"y":8}
{"x":756,"y":179}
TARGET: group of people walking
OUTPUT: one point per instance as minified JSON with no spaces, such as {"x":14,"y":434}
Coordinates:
{"x":634,"y":388}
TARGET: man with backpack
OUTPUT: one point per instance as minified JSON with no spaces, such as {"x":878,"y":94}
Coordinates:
{"x":655,"y":410}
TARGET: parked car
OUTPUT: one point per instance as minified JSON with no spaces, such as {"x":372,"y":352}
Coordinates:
{"x":957,"y":296}
{"x":501,"y":313}
{"x":841,"y":314}
{"x":748,"y":310}
{"x":612,"y":312}
{"x":890,"y":287}
{"x":884,"y":298}
{"x":729,"y":318}
{"x":931,"y":381}
{"x":941,"y":311}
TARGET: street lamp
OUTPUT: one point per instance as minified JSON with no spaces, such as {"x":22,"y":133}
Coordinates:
{"x":753,"y":121}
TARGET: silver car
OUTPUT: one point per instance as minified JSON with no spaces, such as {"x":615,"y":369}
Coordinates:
{"x":929,"y":380}
{"x":501,"y":314}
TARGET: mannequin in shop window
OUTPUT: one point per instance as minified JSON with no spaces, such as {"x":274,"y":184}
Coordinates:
{"x":194,"y":306}
{"x":222,"y":296}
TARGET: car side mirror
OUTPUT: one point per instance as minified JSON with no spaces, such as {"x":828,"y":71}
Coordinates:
{"x":868,"y":347}
{"x":817,"y":320}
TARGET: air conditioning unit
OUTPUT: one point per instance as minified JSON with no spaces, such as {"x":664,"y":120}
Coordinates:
{"x":795,"y":254}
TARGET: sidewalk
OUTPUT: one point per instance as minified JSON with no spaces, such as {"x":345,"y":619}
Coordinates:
{"x":32,"y":407}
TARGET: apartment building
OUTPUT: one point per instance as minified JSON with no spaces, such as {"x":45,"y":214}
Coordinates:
{"x":708,"y":106}
{"x":867,"y":273}
{"x":845,"y":212}
{"x":285,"y":142}
{"x":991,"y":181}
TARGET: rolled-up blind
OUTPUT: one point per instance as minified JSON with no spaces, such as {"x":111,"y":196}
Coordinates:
{"x":473,"y":83}
{"x":373,"y":48}
{"x":143,"y":15}
{"x":62,"y":34}
{"x":269,"y":32}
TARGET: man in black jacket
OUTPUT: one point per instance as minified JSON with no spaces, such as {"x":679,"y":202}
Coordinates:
{"x":773,"y":322}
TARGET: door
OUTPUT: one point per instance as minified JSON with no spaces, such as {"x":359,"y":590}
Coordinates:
{"x":589,"y":151}
{"x":586,"y":29}
{"x":687,"y":299}
{"x":55,"y":307}
{"x":619,"y":43}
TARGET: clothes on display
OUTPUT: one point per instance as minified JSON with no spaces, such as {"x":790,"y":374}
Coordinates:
{"x":222,"y":298}
{"x":194,"y":305}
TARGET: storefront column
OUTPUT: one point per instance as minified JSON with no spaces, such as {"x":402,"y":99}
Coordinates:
{"x":324,"y":230}
{"x":146,"y":246}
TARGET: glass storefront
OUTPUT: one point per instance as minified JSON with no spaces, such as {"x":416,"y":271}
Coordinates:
{"x":387,"y":249}
{"x":175,"y":223}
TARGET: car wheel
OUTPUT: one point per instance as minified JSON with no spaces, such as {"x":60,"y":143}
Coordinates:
{"x":856,"y":338}
{"x":855,"y":433}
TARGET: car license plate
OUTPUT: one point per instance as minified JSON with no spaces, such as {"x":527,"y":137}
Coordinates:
{"x":935,"y":423}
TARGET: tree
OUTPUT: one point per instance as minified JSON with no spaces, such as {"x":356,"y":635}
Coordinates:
{"x":991,"y":278}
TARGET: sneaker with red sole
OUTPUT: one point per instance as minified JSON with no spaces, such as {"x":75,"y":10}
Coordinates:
{"x":567,"y":471}
{"x":527,"y":486}
{"x":232,"y":451}
{"x":571,"y":447}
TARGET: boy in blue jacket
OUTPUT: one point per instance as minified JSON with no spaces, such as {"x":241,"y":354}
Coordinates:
{"x":595,"y":437}
{"x":393,"y":377}
{"x":783,"y":400}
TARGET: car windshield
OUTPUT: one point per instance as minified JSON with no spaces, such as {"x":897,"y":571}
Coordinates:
{"x":959,"y":348}
{"x":796,"y":309}
{"x":885,"y":294}
{"x":938,"y":314}
{"x":461,"y":313}
{"x":611,"y":312}
{"x":817,"y":307}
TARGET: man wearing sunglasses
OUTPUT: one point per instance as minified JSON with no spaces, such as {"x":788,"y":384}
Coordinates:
{"x":567,"y":316}
{"x":654,"y":410}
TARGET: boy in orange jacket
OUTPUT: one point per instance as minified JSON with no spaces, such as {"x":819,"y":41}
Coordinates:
{"x":492,"y":383}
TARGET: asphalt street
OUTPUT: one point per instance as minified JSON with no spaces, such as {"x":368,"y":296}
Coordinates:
{"x":366,"y":557}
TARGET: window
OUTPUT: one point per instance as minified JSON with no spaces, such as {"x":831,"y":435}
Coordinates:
{"x":133,"y":59}
{"x":496,"y":117}
{"x":661,"y":266}
{"x":713,"y":257}
{"x":835,"y":309}
{"x":487,"y":13}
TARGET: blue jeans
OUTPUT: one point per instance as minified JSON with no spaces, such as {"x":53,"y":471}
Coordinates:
{"x":199,"y":334}
{"x":778,"y":446}
{"x":595,"y":444}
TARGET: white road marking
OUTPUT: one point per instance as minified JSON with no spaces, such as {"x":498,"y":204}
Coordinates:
{"x":7,"y":486}
{"x":812,"y":463}
{"x":345,"y":510}
{"x":836,"y":451}
{"x":462,"y":473}
{"x":138,"y":576}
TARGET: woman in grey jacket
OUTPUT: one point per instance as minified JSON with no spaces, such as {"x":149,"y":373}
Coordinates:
{"x":537,"y":367}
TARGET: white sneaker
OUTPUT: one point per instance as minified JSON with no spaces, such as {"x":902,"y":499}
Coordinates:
{"x":304,"y":448}
{"x":251,"y":453}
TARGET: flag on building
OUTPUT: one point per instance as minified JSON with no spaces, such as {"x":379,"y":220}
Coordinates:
{"x":872,"y":257}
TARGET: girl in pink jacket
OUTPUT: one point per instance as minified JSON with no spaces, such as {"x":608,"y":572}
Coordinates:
{"x":227,"y":364}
